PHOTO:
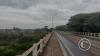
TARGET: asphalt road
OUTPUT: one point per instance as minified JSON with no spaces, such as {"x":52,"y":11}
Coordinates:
{"x":73,"y":49}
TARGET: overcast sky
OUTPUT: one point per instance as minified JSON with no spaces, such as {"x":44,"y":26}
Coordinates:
{"x":38,"y":13}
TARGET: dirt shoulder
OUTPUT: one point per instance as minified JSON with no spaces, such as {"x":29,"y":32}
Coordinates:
{"x":53,"y":47}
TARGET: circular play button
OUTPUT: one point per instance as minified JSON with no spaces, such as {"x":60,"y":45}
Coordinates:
{"x":84,"y":44}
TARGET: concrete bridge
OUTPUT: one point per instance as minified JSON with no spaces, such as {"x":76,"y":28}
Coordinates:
{"x":64,"y":44}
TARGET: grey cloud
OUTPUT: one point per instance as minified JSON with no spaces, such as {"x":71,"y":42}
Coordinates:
{"x":38,"y":13}
{"x":16,"y":3}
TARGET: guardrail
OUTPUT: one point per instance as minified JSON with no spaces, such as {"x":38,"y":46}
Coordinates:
{"x":37,"y":47}
{"x":89,"y":35}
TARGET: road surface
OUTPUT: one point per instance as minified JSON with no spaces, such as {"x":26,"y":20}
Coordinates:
{"x":53,"y":47}
{"x":71,"y":47}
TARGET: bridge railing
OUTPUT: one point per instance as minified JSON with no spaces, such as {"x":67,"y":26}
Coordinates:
{"x":37,"y":47}
{"x":88,"y":35}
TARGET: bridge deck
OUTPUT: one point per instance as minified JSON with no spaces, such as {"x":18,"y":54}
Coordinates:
{"x":53,"y":47}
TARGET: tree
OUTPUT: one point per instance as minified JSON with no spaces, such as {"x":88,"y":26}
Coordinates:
{"x":85,"y":22}
{"x":46,"y":28}
{"x":16,"y":29}
{"x":61,"y":27}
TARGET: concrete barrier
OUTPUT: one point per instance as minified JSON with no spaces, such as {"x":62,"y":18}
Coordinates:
{"x":89,"y":35}
{"x":37,"y":47}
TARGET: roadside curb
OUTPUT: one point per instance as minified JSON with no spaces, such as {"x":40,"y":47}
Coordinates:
{"x":62,"y":48}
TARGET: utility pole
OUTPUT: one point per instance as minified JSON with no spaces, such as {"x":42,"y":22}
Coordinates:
{"x":52,"y":23}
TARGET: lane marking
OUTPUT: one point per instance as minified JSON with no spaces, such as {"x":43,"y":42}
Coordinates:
{"x":65,"y":52}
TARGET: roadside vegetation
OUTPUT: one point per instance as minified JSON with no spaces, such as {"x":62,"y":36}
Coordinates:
{"x":13,"y":43}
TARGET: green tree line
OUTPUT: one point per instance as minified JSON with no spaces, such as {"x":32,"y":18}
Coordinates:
{"x":85,"y":22}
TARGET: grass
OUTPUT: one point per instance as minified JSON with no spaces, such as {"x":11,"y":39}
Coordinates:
{"x":12,"y":44}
